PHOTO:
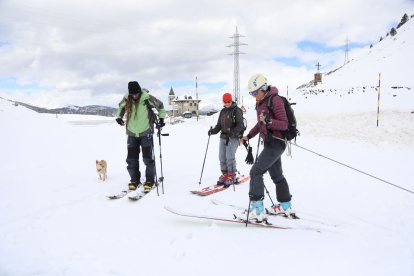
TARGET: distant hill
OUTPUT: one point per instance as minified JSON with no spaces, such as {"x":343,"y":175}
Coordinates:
{"x":86,"y":110}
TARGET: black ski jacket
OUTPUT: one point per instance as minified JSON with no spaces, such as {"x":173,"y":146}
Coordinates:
{"x":230,"y":122}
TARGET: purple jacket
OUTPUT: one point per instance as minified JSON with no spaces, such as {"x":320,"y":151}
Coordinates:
{"x":278,"y":115}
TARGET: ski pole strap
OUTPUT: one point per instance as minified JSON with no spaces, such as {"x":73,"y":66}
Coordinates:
{"x":288,"y":145}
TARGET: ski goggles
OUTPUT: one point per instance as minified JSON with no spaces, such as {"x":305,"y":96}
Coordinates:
{"x":254,"y":93}
{"x":227,"y":102}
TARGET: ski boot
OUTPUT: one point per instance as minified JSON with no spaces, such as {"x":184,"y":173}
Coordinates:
{"x":222,"y":178}
{"x":133,"y":185}
{"x":230,"y":180}
{"x":149,"y":183}
{"x":256,"y":212}
{"x":282,"y":209}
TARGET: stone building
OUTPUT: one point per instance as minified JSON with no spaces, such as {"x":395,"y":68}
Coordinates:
{"x":182,"y":104}
{"x":317,"y":78}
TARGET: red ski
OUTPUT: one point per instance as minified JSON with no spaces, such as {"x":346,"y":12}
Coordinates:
{"x":218,"y":188}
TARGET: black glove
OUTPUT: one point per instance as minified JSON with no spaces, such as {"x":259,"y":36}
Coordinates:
{"x":268,"y":119}
{"x":120,"y":121}
{"x":249,"y":159}
{"x":210,"y":131}
{"x":160,"y":123}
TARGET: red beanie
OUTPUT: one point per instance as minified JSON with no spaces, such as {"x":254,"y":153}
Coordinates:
{"x":227,"y":98}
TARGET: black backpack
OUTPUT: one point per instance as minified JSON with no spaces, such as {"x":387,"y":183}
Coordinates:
{"x":292,"y":131}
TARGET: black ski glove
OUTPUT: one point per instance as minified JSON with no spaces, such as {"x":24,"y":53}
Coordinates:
{"x":249,"y":159}
{"x":268,"y":119}
{"x":160,"y":123}
{"x":120,"y":121}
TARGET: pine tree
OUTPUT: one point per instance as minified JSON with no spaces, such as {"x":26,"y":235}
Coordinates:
{"x":393,"y":31}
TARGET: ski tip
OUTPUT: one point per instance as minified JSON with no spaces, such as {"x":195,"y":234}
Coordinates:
{"x":170,"y":210}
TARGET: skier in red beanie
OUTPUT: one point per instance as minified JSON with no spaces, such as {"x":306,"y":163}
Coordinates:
{"x":230,"y":123}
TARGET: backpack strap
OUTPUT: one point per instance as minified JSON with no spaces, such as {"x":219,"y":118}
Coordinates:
{"x":269,"y":104}
{"x":151,"y":115}
{"x":233,"y":114}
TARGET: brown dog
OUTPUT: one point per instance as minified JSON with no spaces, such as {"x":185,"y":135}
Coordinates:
{"x":101,"y":168}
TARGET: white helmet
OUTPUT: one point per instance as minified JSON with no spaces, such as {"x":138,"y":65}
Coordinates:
{"x":257,"y":82}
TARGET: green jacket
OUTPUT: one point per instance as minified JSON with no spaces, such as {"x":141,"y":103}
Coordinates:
{"x":141,"y":121}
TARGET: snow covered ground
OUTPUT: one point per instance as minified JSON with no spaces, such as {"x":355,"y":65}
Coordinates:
{"x":56,"y":220}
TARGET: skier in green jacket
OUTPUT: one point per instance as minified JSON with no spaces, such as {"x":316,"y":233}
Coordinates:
{"x":140,"y":119}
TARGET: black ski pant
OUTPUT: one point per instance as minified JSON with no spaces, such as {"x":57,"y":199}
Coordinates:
{"x":134,"y":144}
{"x":270,"y":161}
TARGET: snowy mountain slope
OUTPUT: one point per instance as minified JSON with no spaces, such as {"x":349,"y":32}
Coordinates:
{"x":345,"y":105}
{"x":56,"y":219}
{"x":392,"y":57}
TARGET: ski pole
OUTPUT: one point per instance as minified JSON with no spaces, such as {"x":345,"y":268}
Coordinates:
{"x":257,"y":154}
{"x":159,"y":142}
{"x":159,"y":134}
{"x":248,"y":211}
{"x":234,"y":173}
{"x":208,"y":142}
{"x":155,"y":164}
{"x":258,"y":144}
{"x":268,"y":195}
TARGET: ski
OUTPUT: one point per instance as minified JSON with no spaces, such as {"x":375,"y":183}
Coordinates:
{"x":120,"y":195}
{"x":218,"y":188}
{"x":218,"y":202}
{"x":139,"y":194}
{"x":304,"y":220}
{"x":233,"y":220}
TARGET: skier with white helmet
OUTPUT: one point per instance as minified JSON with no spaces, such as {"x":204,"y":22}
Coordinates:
{"x":271,"y":121}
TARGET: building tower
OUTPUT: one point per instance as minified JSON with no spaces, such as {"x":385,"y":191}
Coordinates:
{"x":171,"y":96}
{"x":236,"y":75}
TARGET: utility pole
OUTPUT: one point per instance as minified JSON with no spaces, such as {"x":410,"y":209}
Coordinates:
{"x":346,"y":60}
{"x":236,"y":79}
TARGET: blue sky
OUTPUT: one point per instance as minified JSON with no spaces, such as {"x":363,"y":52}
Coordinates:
{"x":318,"y":49}
{"x":10,"y":83}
